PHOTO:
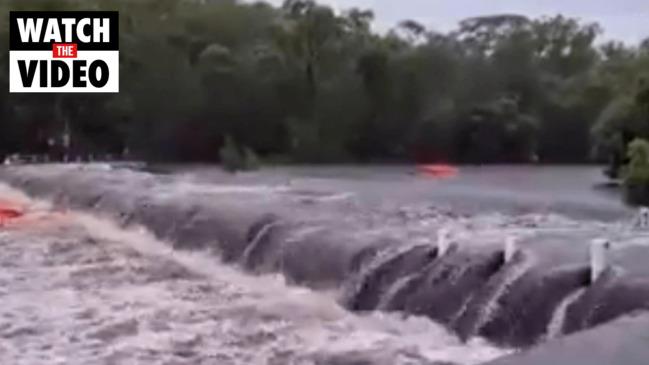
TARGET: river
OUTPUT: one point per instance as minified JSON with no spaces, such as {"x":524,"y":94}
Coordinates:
{"x":118,"y":294}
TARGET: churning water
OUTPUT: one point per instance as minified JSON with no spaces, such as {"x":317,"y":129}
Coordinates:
{"x":347,"y":270}
{"x":77,"y":289}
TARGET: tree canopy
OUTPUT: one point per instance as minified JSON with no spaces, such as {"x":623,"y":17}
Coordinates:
{"x":304,"y":83}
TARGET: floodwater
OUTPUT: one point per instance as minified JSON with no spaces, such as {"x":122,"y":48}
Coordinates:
{"x":76,"y":289}
{"x":120,"y":296}
{"x":579,"y":192}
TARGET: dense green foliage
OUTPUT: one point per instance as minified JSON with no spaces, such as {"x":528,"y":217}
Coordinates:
{"x":304,"y":83}
{"x":235,"y":158}
{"x":636,"y":179}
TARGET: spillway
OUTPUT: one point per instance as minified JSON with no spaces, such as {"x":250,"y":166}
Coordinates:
{"x":374,"y":260}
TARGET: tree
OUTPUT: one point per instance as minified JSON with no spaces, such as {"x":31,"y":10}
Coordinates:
{"x":303,"y":82}
{"x":636,"y":179}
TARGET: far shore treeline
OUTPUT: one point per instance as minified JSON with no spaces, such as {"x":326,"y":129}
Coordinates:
{"x":303,"y":83}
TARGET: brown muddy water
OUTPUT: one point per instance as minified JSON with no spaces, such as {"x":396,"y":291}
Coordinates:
{"x":76,"y":289}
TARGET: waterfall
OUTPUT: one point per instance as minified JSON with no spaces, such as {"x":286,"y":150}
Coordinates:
{"x":555,"y":326}
{"x":250,"y":253}
{"x":387,"y":262}
{"x":396,"y":290}
{"x":486,"y":304}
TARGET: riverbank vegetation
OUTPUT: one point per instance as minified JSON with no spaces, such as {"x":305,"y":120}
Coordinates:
{"x":304,"y":83}
{"x":636,"y":173}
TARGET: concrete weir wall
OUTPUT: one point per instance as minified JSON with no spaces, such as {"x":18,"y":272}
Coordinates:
{"x":516,"y":299}
{"x":623,"y":342}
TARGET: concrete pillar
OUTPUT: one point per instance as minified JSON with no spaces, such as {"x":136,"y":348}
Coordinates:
{"x":511,"y":247}
{"x":598,"y":257}
{"x":443,"y":241}
{"x":643,"y":218}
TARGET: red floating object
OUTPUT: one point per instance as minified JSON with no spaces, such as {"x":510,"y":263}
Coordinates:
{"x":440,"y":171}
{"x":8,"y":213}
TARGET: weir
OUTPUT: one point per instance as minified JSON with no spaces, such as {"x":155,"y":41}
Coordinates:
{"x":513,"y":292}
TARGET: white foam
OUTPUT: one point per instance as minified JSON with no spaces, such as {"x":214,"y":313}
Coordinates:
{"x":233,"y":316}
{"x":318,"y":322}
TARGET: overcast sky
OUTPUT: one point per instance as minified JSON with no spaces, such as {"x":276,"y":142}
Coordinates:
{"x":626,"y":20}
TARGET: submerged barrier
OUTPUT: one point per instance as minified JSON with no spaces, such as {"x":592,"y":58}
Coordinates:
{"x":505,"y":293}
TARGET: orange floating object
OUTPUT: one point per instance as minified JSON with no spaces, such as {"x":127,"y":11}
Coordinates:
{"x":438,"y":171}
